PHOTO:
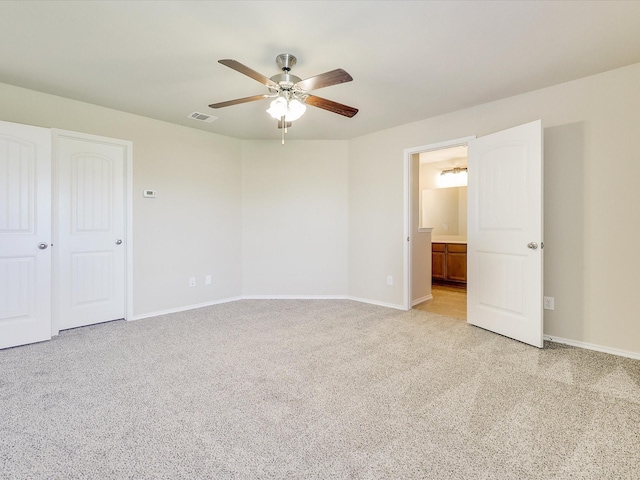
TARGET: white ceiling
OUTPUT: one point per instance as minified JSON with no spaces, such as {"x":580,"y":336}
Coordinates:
{"x":410,"y":60}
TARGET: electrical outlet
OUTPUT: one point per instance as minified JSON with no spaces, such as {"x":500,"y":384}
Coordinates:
{"x":192,"y":281}
{"x":207,"y":280}
{"x":389,"y":280}
{"x":549,"y":303}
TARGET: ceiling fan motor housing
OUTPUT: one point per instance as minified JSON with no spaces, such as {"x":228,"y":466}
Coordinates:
{"x":286,"y":61}
{"x":285,"y":80}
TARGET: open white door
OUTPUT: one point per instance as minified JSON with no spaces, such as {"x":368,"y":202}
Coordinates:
{"x":504,"y":291}
{"x":25,"y":234}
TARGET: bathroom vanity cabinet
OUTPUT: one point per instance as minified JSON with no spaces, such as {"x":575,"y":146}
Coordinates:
{"x":449,"y":262}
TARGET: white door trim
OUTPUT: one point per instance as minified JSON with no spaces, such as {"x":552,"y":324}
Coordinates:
{"x":128,"y":169}
{"x":408,"y":153}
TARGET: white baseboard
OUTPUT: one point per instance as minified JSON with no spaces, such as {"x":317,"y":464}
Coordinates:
{"x":293,"y":297}
{"x":375,"y":302}
{"x":185,"y":308}
{"x":591,"y":346}
{"x":422,"y":299}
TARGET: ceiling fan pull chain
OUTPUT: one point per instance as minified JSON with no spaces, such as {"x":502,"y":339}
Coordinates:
{"x":284,"y":128}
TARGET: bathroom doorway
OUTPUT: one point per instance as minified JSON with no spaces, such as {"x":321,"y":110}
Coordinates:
{"x":442,"y":192}
{"x":439,"y":211}
{"x":504,"y":274}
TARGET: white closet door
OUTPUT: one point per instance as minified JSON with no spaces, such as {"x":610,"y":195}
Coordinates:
{"x":91,"y":229}
{"x":25,"y":234}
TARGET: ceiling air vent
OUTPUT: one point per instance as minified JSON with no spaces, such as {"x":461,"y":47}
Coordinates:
{"x":202,"y":117}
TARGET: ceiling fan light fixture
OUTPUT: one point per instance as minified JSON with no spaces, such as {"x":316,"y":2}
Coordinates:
{"x":290,"y":110}
{"x":278,"y":108}
{"x":296,"y":110}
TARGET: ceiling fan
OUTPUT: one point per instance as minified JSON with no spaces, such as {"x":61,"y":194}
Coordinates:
{"x":290,"y":93}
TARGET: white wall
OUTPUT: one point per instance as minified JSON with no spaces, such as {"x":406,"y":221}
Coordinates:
{"x":592,"y":166}
{"x":193,"y":227}
{"x":376,"y":222}
{"x":295,"y":218}
{"x":462,"y":212}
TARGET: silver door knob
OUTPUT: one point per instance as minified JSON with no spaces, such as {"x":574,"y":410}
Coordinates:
{"x":532,"y":245}
{"x":43,"y":246}
{"x":118,"y":241}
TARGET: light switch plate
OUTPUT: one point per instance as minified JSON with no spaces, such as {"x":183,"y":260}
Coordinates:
{"x":149,"y":193}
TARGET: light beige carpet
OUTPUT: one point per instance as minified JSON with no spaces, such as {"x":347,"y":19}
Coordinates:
{"x":313,"y":389}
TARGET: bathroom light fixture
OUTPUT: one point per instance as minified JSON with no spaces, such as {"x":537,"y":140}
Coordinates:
{"x":452,"y":177}
{"x":454,"y":170}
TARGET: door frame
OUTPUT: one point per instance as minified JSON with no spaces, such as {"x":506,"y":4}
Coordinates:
{"x":56,"y":134}
{"x":408,"y":194}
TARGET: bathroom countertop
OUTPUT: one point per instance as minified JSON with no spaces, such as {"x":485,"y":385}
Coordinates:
{"x":436,"y":240}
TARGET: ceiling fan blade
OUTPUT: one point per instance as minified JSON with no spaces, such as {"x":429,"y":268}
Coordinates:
{"x":238,"y":67}
{"x":237,"y":101}
{"x":334,"y":77}
{"x":332,"y":106}
{"x":287,"y":124}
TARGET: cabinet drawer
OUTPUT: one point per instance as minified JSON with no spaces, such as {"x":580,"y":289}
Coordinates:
{"x":438,"y":247}
{"x":456,"y":248}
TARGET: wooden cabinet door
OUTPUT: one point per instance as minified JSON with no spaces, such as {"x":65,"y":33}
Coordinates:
{"x":456,"y":262}
{"x":437,"y":265}
{"x":457,"y":267}
{"x":438,"y":261}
